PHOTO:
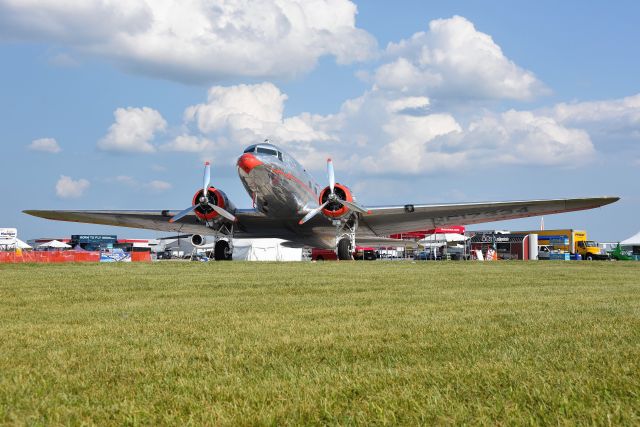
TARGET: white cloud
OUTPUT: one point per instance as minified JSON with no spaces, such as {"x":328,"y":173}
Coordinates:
{"x":189,"y":144}
{"x":455,"y":59}
{"x":49,"y":145}
{"x":67,"y":188}
{"x":523,"y":137}
{"x":133,"y":130}
{"x":155,"y":186}
{"x":246,"y":114}
{"x":616,"y":117}
{"x":195,"y":40}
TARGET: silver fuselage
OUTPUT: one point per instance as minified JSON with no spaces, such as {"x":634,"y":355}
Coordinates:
{"x":279,"y":186}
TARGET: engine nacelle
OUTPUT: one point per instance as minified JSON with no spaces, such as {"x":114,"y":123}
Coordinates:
{"x":335,"y":209}
{"x":199,"y":240}
{"x":216,"y":197}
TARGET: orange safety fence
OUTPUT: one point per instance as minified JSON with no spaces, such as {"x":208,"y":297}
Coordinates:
{"x":54,"y":256}
{"x":141,"y":256}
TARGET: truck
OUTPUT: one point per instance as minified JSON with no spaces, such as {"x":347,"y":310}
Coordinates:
{"x":569,"y":240}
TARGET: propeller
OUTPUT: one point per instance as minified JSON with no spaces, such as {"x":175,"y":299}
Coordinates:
{"x":204,"y":200}
{"x":332,"y":197}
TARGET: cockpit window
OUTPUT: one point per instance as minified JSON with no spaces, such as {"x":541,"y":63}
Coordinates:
{"x":269,"y":151}
{"x":250,"y":149}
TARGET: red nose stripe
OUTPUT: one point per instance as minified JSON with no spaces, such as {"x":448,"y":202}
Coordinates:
{"x":247,"y":162}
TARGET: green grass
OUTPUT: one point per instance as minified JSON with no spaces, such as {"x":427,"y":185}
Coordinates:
{"x":320,"y":343}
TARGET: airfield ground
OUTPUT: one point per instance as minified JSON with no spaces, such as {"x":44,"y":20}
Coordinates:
{"x":320,"y":343}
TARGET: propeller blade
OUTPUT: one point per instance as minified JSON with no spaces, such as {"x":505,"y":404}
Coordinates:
{"x":312,"y":213}
{"x":354,"y":207}
{"x":332,"y":178}
{"x":206,"y":179}
{"x":182,"y":214}
{"x":223,"y":212}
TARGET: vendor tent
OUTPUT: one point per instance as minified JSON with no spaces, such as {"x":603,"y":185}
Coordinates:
{"x":264,"y":250}
{"x":442,"y":238}
{"x":13,"y":243}
{"x":55,"y":244}
{"x":632,"y":241}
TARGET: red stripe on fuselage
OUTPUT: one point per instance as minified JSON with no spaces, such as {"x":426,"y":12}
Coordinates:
{"x":295,"y":179}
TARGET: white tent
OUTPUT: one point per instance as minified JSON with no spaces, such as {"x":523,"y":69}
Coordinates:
{"x":13,"y":243}
{"x":264,"y":250}
{"x":56,"y":244}
{"x":632,"y":241}
{"x":442,"y":238}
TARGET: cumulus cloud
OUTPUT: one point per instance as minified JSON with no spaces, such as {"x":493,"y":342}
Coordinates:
{"x":68,"y":188}
{"x":133,"y":130}
{"x":195,"y":40}
{"x":248,"y":113}
{"x":523,"y":137}
{"x":381,"y":132}
{"x":617,"y":117}
{"x":48,"y":145}
{"x":454,"y":58}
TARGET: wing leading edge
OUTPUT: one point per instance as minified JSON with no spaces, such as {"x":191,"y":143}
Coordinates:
{"x":148,"y":219}
{"x":382,"y":221}
{"x":386,"y":220}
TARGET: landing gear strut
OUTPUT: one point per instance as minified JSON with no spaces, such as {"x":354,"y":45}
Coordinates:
{"x":346,"y":237}
{"x":223,"y":249}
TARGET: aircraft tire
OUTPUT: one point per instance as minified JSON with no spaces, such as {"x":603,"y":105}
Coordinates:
{"x":222,"y":251}
{"x":344,"y":250}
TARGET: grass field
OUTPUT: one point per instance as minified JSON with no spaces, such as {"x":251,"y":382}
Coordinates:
{"x":320,"y":343}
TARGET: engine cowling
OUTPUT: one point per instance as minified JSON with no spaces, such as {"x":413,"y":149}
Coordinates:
{"x":216,"y":197}
{"x":199,"y":240}
{"x":335,"y":209}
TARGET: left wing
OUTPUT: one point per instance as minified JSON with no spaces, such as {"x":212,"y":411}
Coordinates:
{"x":386,"y":220}
{"x":155,"y":219}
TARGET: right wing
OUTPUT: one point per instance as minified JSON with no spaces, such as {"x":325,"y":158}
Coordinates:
{"x":386,"y":220}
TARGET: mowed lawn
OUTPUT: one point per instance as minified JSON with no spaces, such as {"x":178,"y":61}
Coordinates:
{"x":320,"y":343}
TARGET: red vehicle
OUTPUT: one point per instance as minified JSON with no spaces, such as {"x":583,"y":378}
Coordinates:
{"x":361,"y":253}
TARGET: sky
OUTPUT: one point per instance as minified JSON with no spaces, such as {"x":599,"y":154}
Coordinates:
{"x":116,"y":104}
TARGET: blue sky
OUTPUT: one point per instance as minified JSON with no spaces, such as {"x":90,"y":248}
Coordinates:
{"x":116,"y":105}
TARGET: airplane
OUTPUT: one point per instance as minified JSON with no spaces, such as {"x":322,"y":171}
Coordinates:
{"x":290,"y":205}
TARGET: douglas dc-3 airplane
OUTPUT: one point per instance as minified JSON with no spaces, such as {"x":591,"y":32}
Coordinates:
{"x":290,"y":205}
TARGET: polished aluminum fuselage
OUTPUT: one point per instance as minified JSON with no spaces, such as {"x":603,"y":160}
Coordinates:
{"x":280,"y":188}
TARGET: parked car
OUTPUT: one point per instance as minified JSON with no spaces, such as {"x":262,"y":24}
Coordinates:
{"x":544,"y":252}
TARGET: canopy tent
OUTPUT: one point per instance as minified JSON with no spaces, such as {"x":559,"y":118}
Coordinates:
{"x":55,"y":244}
{"x":14,"y":243}
{"x":442,"y":238}
{"x":264,"y":250}
{"x":632,"y":241}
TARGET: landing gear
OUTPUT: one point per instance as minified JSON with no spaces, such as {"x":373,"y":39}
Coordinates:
{"x":345,"y":252}
{"x":346,"y":237}
{"x":222,"y":251}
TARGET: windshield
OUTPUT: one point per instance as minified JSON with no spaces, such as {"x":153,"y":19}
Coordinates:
{"x":264,"y":150}
{"x":250,"y":149}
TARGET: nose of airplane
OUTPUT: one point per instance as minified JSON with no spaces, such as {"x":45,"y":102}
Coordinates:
{"x":247,"y":162}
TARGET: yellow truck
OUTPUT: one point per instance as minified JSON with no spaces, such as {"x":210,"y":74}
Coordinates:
{"x":574,"y":241}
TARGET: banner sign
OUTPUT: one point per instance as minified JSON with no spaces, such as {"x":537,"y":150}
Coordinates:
{"x":8,"y":233}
